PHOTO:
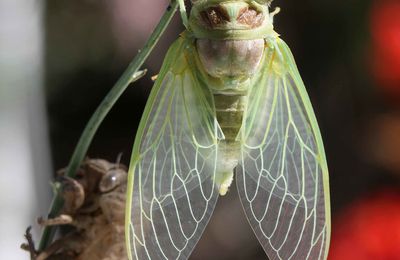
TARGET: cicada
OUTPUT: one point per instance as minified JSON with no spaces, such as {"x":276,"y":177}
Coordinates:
{"x":228,"y":103}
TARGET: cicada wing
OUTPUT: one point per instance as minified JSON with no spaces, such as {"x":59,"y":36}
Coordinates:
{"x":171,"y":190}
{"x":282,"y":176}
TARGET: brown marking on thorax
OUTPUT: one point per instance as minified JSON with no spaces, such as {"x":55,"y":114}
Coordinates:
{"x":214,"y":16}
{"x":251,"y":17}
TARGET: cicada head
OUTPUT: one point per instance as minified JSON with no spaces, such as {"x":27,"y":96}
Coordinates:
{"x":227,"y":19}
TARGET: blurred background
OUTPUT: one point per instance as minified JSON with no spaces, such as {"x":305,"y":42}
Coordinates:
{"x":58,"y":59}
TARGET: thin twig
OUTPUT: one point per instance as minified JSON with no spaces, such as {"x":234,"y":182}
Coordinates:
{"x":130,"y":75}
{"x":30,"y":245}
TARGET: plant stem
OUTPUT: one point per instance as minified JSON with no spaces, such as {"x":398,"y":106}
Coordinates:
{"x":130,"y":75}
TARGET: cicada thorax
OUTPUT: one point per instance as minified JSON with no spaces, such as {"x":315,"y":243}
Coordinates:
{"x":227,"y":52}
{"x":230,"y":59}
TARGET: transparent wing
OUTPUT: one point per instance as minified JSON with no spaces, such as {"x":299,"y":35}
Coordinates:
{"x":171,"y":192}
{"x":282,"y":176}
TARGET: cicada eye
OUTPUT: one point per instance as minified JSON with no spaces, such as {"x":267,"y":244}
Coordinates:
{"x":111,"y":180}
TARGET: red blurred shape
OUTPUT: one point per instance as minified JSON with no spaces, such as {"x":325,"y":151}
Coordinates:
{"x":369,"y":229}
{"x":385,"y":30}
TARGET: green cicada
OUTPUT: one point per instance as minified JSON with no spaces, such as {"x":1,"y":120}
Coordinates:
{"x":228,"y":102}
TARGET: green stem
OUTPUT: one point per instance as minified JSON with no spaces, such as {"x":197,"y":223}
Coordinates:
{"x":130,"y":75}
